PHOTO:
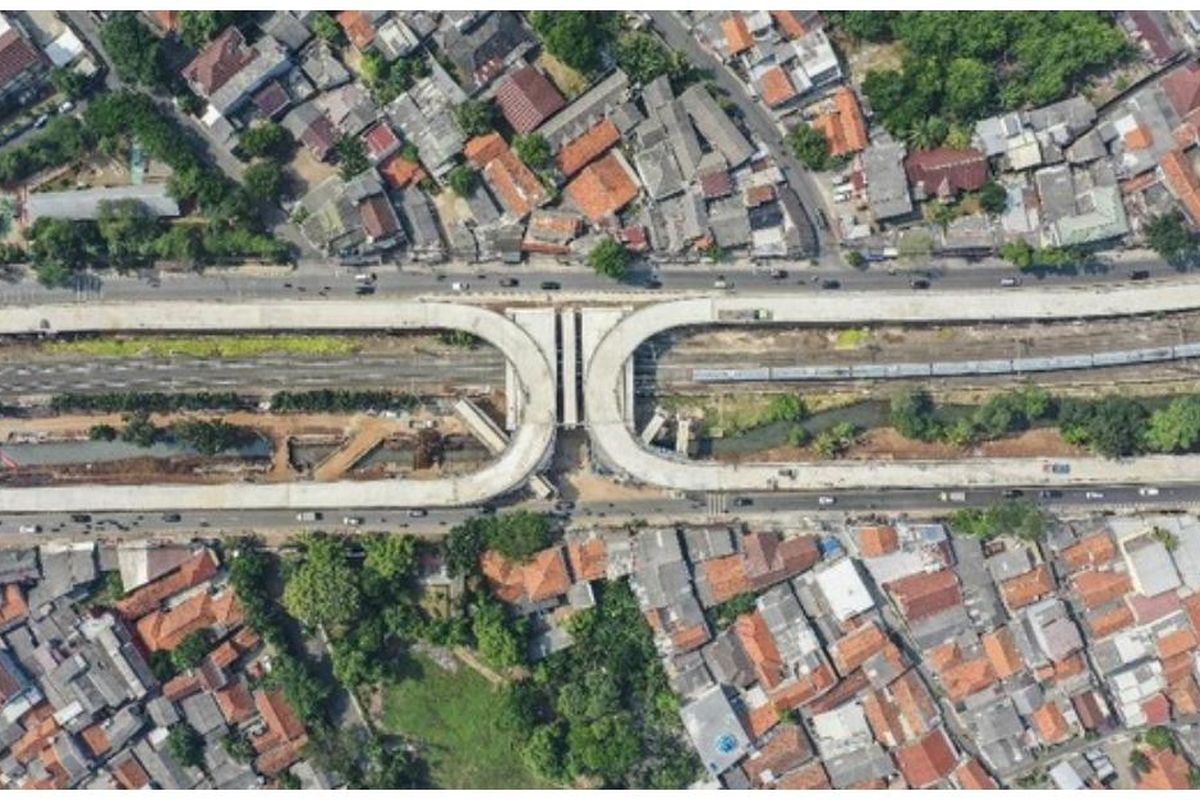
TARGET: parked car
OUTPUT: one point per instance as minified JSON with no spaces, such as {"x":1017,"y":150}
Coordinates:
{"x":417,"y":512}
{"x":30,"y":528}
{"x":1094,"y":495}
{"x":826,"y":500}
{"x":1011,"y":494}
{"x":1010,"y":281}
{"x":171,"y":517}
{"x":720,"y":283}
{"x":364,"y":289}
{"x":352,"y":521}
{"x":919,"y":283}
{"x":460,"y":286}
{"x":1139,"y":275}
{"x":1148,"y":491}
{"x":831,"y":283}
{"x":81,"y":518}
{"x":653,"y":283}
{"x":778,"y":274}
{"x":509,"y":282}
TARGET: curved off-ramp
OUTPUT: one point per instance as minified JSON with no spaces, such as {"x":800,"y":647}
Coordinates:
{"x":528,"y":447}
{"x":619,"y":447}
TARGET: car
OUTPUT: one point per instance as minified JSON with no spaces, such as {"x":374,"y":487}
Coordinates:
{"x":778,"y":274}
{"x":742,"y":502}
{"x":720,"y":283}
{"x":363,"y":289}
{"x":919,"y":283}
{"x":460,"y":286}
{"x":1094,"y":495}
{"x":826,"y":500}
{"x":30,"y":528}
{"x":81,"y":518}
{"x":65,"y":107}
{"x":653,"y":283}
{"x":352,"y":521}
{"x":1010,"y":281}
{"x":551,"y":286}
{"x":1140,"y":275}
{"x":1049,"y":494}
{"x":831,"y":283}
{"x":41,"y":121}
{"x":416,"y":513}
{"x":1148,"y":491}
{"x":508,"y":283}
{"x":171,"y":517}
{"x":564,"y":505}
{"x":822,"y":219}
{"x":1011,"y":494}
{"x":363,"y":277}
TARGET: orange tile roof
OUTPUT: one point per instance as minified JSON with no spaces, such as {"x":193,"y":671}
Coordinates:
{"x":854,"y":648}
{"x":1069,"y":666}
{"x":1191,"y":604}
{"x":877,"y":540}
{"x":884,"y":719}
{"x":278,"y":759}
{"x":840,"y":692}
{"x":943,"y":655}
{"x":1168,"y":770}
{"x":130,"y":774}
{"x":483,"y":149}
{"x":1177,"y":668}
{"x":589,"y":559}
{"x":1001,"y":650}
{"x":1024,"y":589}
{"x":1050,"y":723}
{"x":1097,"y":588}
{"x":1139,"y":138}
{"x":278,"y":715}
{"x":95,"y":737}
{"x":845,"y":128}
{"x":737,"y":34}
{"x":1183,"y":182}
{"x":805,"y":688}
{"x":603,"y":187}
{"x":783,"y":752}
{"x":166,"y":20}
{"x":585,"y":148}
{"x":400,"y":172}
{"x":916,"y":704}
{"x":141,"y":601}
{"x":164,"y":630}
{"x":1185,"y":696}
{"x":182,"y":685}
{"x":1090,"y":551}
{"x":927,"y":761}
{"x":925,"y":594}
{"x":775,"y":86}
{"x":246,"y":639}
{"x":762,"y":719}
{"x":1106,"y":623}
{"x":789,"y":23}
{"x":542,"y":577}
{"x":13,"y":605}
{"x":235,"y":702}
{"x":811,"y":776}
{"x":726,"y":576}
{"x":967,"y":677}
{"x":971,"y":775}
{"x":358,"y":28}
{"x":1181,"y":641}
{"x":513,"y":183}
{"x":224,"y":654}
{"x":689,"y":638}
{"x":756,"y":639}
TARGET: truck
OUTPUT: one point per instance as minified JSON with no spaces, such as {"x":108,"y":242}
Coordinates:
{"x":308,"y":516}
{"x":954,"y":497}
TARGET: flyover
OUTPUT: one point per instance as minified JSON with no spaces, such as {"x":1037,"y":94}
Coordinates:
{"x":619,"y":447}
{"x":528,"y":449}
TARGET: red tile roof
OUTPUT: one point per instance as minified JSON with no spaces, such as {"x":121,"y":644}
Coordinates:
{"x":1097,"y":588}
{"x":1182,"y":88}
{"x":380,"y":140}
{"x":972,"y":775}
{"x":964,"y":678}
{"x":527,"y":99}
{"x":271,"y":99}
{"x":542,"y":577}
{"x":775,"y":86}
{"x":947,"y":171}
{"x":17,"y":56}
{"x":782,"y":753}
{"x":130,"y":774}
{"x":1050,"y":724}
{"x":770,"y":558}
{"x":756,"y":639}
{"x":737,"y":34}
{"x":812,"y":776}
{"x":925,"y":594}
{"x":400,"y":172}
{"x":96,"y":739}
{"x":358,"y":28}
{"x":164,"y":630}
{"x":13,"y":605}
{"x":789,"y":24}
{"x":1105,"y":623}
{"x":589,"y":559}
{"x":585,"y":148}
{"x":1183,"y":182}
{"x":235,"y":702}
{"x":278,"y":715}
{"x":1093,"y":551}
{"x":1148,"y":609}
{"x":603,"y":187}
{"x":1088,"y":710}
{"x":379,"y":219}
{"x":223,"y":58}
{"x":805,"y":688}
{"x":1168,"y":770}
{"x":761,"y":719}
{"x":844,"y":127}
{"x":877,"y":540}
{"x":1152,"y":34}
{"x":884,"y":718}
{"x":925,"y":762}
{"x":141,"y":601}
{"x":726,"y":576}
{"x":513,"y":183}
{"x":1173,"y":644}
{"x":917,"y":707}
{"x":854,"y":648}
{"x":1025,"y":589}
{"x":1001,"y":649}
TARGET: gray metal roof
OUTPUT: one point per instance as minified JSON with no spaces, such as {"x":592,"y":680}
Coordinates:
{"x":716,"y":126}
{"x":715,"y":730}
{"x":86,"y":203}
{"x":887,"y":185}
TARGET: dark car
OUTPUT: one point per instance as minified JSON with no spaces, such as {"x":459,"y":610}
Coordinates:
{"x":1011,"y":494}
{"x":831,"y":283}
{"x":1139,"y":275}
{"x":364,"y":290}
{"x":919,"y":283}
{"x":653,"y":283}
{"x":509,"y":282}
{"x":778,"y":274}
{"x":742,"y":502}
{"x":171,"y":517}
{"x":1049,"y":494}
{"x":81,"y":518}
{"x":551,"y":286}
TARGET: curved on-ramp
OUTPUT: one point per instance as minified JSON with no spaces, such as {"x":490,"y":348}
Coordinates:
{"x":527,"y":447}
{"x":623,"y":450}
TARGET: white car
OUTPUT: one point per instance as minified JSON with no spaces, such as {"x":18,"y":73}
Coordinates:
{"x":826,"y":500}
{"x":352,"y":521}
{"x":1148,"y":491}
{"x":1094,"y":495}
{"x":31,"y":528}
{"x":460,"y":286}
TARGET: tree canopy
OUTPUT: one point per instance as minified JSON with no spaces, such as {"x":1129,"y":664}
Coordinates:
{"x":135,"y":51}
{"x":609,"y":258}
{"x":322,"y":589}
{"x":579,"y":39}
{"x":534,"y":150}
{"x":809,"y":145}
{"x":475,"y":117}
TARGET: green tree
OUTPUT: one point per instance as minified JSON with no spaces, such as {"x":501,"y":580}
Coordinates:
{"x":1160,"y":738}
{"x":71,"y":244}
{"x":352,"y":157}
{"x":911,"y":413}
{"x":577,"y":38}
{"x":128,"y":231}
{"x":239,"y":748}
{"x":463,"y":180}
{"x":1112,"y":426}
{"x":609,"y":258}
{"x":191,"y":651}
{"x":390,"y":556}
{"x":787,"y":408}
{"x":134,"y":51}
{"x":210,"y":436}
{"x":810,"y":146}
{"x":264,"y":181}
{"x":835,"y":441}
{"x":534,"y":150}
{"x":501,"y":642}
{"x":140,"y":430}
{"x":544,"y":752}
{"x":327,"y":29}
{"x":520,"y":535}
{"x":607,"y":746}
{"x":475,"y":117}
{"x":856,"y":259}
{"x":871,"y":26}
{"x":1139,"y":763}
{"x":968,"y":88}
{"x":993,"y":199}
{"x":267,"y":140}
{"x":69,"y":83}
{"x":198,"y":28}
{"x":185,"y":745}
{"x":322,"y":589}
{"x":1168,"y":235}
{"x":1018,"y":252}
{"x":1176,"y":427}
{"x":1020,"y":518}
{"x":464,"y":544}
{"x":102,"y":433}
{"x":643,"y":57}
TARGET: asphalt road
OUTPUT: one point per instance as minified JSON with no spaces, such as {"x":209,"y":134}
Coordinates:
{"x":477,"y":367}
{"x":659,"y":510}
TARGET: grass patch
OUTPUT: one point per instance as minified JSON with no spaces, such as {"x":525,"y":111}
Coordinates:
{"x":456,"y":718}
{"x":207,"y":346}
{"x":569,"y":82}
{"x":851,"y":338}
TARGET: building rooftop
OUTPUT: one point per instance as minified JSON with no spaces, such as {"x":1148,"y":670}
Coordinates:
{"x":527,"y":99}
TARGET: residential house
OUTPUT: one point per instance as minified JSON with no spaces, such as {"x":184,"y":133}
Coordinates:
{"x":585,"y":111}
{"x":715,"y":730}
{"x":944,"y":172}
{"x":425,"y":114}
{"x":486,"y":50}
{"x":22,"y":65}
{"x":322,"y":66}
{"x":843,"y":125}
{"x":510,"y":180}
{"x":227,"y":71}
{"x":886,"y":182}
{"x":527,"y":98}
{"x":309,"y":125}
